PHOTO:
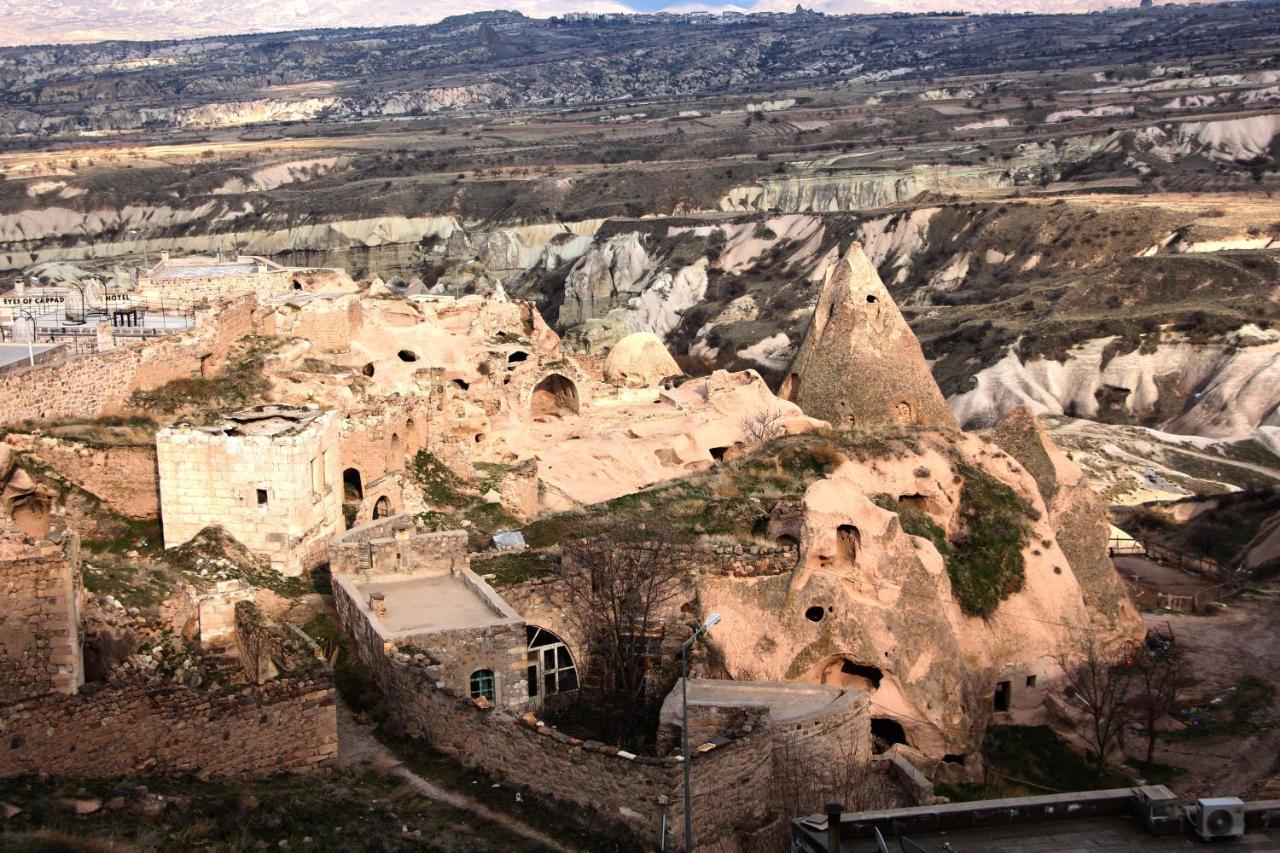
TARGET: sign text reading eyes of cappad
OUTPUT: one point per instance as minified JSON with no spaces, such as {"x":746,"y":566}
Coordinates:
{"x":32,"y":300}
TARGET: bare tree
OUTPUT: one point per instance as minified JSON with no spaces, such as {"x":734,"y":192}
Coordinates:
{"x":1161,"y":679}
{"x":1099,"y":688}
{"x":620,"y":595}
{"x":762,"y":426}
{"x":805,"y":779}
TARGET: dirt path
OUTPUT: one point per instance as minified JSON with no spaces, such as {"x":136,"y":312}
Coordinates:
{"x":1221,"y":649}
{"x":358,"y":745}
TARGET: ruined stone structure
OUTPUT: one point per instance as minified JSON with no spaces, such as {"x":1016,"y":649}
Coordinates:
{"x":860,"y":364}
{"x":281,"y":716}
{"x":270,"y":476}
{"x":197,"y":280}
{"x":40,"y":634}
{"x":421,"y":668}
{"x":270,"y":711}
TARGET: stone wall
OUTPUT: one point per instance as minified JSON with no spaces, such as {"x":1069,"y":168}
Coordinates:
{"x":122,"y":477}
{"x":95,"y":385}
{"x":733,"y":559}
{"x":730,"y":783}
{"x":393,"y":546}
{"x":40,"y":642}
{"x":327,"y":323}
{"x":109,"y":730}
{"x":262,"y":489}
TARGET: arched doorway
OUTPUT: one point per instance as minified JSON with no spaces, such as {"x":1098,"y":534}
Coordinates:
{"x":352,"y":485}
{"x":551,"y":667}
{"x":555,"y":395}
{"x":381,"y":508}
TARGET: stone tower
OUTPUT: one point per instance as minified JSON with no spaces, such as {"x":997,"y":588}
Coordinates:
{"x":860,"y":363}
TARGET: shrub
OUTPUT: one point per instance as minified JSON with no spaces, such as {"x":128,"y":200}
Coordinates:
{"x":986,"y":564}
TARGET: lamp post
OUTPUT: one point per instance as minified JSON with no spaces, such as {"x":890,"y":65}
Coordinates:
{"x":31,"y":352}
{"x":684,"y":728}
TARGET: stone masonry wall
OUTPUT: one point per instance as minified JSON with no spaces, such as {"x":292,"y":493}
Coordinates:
{"x":40,"y":642}
{"x":730,"y":783}
{"x":123,"y":478}
{"x":714,"y":558}
{"x":193,"y":290}
{"x":112,"y":730}
{"x":92,"y":386}
{"x":216,"y":479}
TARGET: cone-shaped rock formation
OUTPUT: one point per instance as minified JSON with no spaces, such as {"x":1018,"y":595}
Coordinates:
{"x":860,"y":363}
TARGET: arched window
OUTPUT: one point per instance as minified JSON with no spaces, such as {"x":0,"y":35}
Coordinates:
{"x":395,"y":458}
{"x":482,"y":685}
{"x":551,"y":667}
{"x":381,"y":508}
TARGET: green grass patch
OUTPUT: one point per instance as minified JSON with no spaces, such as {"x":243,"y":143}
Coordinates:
{"x":510,"y":568}
{"x":350,"y":676}
{"x":438,"y":482}
{"x":131,"y":585}
{"x":915,"y":522}
{"x":986,"y":564}
{"x":1035,"y":755}
{"x":1156,"y":773}
{"x":241,"y":383}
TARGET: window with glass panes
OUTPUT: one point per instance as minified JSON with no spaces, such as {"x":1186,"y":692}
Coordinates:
{"x":482,"y":685}
{"x":551,"y":667}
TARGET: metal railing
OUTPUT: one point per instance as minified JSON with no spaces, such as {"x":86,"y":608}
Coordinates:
{"x":1229,"y":581}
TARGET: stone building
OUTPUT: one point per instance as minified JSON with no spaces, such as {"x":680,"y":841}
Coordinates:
{"x":860,"y":364}
{"x":196,"y":280}
{"x":266,"y":706}
{"x":270,"y":476}
{"x":397,"y":587}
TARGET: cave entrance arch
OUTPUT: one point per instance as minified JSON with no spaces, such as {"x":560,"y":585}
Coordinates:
{"x":555,"y":395}
{"x":885,"y":732}
{"x":352,"y":485}
{"x":850,"y":674}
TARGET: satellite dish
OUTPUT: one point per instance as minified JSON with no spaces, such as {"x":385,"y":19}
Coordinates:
{"x":909,"y":846}
{"x":881,"y":847}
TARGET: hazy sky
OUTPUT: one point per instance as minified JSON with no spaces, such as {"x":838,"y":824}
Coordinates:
{"x":40,"y":21}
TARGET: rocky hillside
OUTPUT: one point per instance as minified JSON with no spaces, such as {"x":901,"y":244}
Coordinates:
{"x":1157,"y":313}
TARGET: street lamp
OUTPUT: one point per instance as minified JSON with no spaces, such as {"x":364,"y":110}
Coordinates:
{"x":684,"y":729}
{"x":31,"y":352}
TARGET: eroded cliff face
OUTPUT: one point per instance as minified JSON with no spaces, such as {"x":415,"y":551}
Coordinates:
{"x":871,"y":606}
{"x":1218,"y":389}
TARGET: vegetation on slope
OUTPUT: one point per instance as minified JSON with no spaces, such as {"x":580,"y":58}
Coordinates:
{"x":986,"y":564}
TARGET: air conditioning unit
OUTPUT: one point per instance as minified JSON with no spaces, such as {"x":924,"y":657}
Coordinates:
{"x":1219,"y":817}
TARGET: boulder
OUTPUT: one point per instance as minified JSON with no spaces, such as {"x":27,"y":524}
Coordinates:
{"x":640,"y":360}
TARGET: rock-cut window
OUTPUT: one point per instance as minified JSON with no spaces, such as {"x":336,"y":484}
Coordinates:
{"x":482,"y":685}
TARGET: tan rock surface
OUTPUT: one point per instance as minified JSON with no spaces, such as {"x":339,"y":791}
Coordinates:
{"x":640,"y":360}
{"x":859,"y":363}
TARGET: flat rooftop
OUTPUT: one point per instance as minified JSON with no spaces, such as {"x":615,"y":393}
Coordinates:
{"x":1102,"y":834}
{"x":203,"y":270}
{"x":427,"y":603}
{"x":785,"y":700}
{"x":17,"y":353}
